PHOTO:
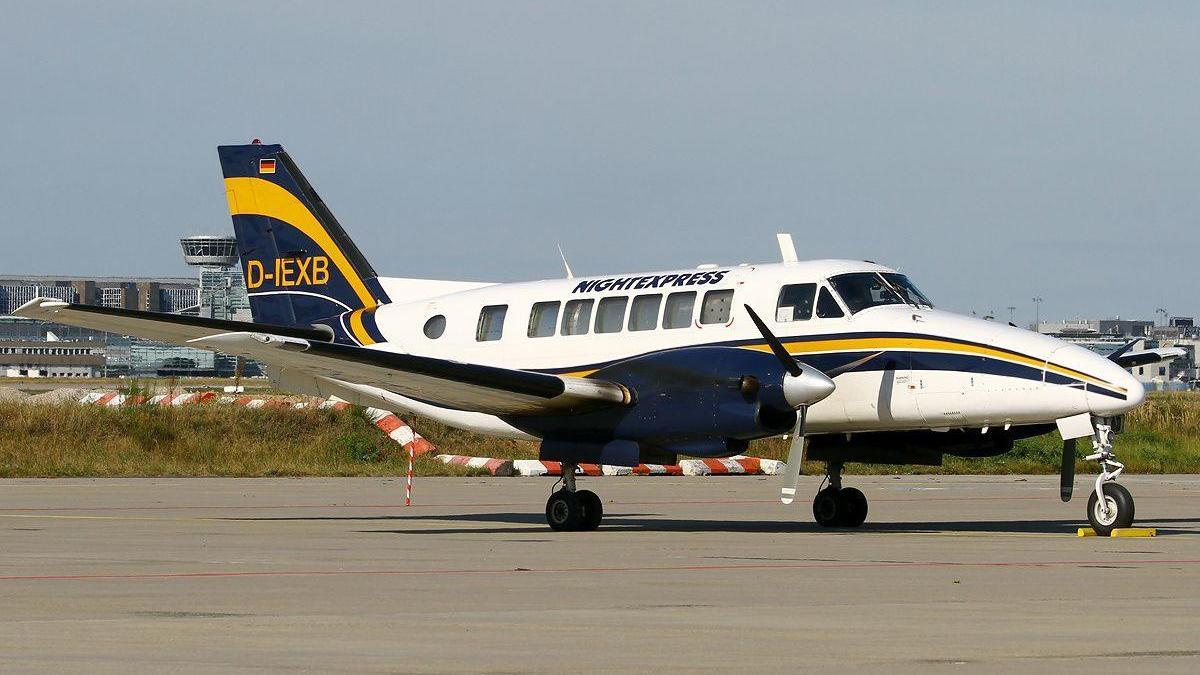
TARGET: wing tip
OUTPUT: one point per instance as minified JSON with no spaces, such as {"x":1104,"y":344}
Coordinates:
{"x":37,"y":306}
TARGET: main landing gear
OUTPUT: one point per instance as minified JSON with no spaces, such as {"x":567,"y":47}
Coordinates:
{"x":1110,"y":505}
{"x":837,"y":506}
{"x":573,"y":510}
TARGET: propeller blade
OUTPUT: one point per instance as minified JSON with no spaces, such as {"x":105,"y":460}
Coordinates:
{"x":834,"y":372}
{"x":791,"y":473}
{"x":1066,"y":480}
{"x":776,"y":346}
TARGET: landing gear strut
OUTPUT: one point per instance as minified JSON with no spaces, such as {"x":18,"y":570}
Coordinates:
{"x":837,"y":506}
{"x":572,"y":510}
{"x":1110,"y":505}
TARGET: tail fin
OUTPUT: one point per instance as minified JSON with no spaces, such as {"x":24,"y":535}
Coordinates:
{"x":300,"y":265}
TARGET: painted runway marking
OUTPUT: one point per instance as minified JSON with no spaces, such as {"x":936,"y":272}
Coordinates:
{"x":600,"y":570}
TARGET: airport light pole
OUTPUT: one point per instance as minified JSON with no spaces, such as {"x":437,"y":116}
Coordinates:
{"x":1037,"y":312}
{"x":1011,"y":309}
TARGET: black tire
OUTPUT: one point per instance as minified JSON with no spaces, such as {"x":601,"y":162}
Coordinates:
{"x":827,"y":508}
{"x":1117,"y":497}
{"x":853,"y":506}
{"x":564,"y":513}
{"x":593,"y":509}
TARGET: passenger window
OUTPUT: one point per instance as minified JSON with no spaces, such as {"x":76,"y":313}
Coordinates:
{"x":716,"y":306}
{"x":644,"y":313}
{"x":491,"y":323}
{"x":435,"y":326}
{"x":610,"y":314}
{"x":543,"y":319}
{"x":680,"y":307}
{"x":795,"y":302}
{"x":827,"y":307}
{"x":577,"y":316}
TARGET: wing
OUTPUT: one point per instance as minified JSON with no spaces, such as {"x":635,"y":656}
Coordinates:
{"x":464,"y":386}
{"x":1145,"y":357}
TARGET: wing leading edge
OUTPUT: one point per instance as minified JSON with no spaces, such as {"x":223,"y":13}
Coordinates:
{"x":442,"y":382}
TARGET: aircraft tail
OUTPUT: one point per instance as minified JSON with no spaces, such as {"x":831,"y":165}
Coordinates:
{"x":300,"y":265}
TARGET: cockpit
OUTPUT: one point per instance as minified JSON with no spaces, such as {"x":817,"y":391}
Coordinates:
{"x":860,"y":290}
{"x":857,"y":290}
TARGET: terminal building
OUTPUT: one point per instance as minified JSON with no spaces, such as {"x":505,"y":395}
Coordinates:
{"x":153,"y":295}
{"x":39,"y":349}
{"x":1105,"y":336}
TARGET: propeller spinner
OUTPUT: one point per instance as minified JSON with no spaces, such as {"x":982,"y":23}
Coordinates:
{"x":803,"y":386}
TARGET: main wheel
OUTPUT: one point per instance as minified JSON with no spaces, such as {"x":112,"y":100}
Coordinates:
{"x":1119,"y":513}
{"x":827,"y":508}
{"x":853,"y":505}
{"x":563,"y":511}
{"x":593,"y":509}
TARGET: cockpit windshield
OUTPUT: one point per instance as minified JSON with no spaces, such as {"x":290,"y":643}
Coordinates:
{"x":860,"y":290}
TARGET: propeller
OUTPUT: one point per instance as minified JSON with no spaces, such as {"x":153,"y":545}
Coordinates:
{"x":777,"y":348}
{"x":803,"y":386}
{"x":1066,"y":477}
{"x":795,"y":456}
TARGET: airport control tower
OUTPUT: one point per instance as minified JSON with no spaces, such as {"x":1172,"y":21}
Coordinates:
{"x":222,"y":288}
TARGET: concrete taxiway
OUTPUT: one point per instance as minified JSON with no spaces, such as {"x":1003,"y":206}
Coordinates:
{"x":950,"y":574}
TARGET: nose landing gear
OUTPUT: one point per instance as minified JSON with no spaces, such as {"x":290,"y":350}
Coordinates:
{"x":572,"y":510}
{"x":1110,"y":505}
{"x":837,"y":506}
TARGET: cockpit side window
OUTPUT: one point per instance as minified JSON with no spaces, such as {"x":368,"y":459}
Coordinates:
{"x":827,"y":307}
{"x":795,"y":302}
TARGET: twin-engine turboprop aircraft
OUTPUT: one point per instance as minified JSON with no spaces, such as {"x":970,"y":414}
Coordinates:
{"x":848,"y":356}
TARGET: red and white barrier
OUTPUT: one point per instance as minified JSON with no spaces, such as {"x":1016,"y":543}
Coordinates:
{"x":399,"y":431}
{"x":731,"y":466}
{"x":494,"y":467}
{"x":739,"y":465}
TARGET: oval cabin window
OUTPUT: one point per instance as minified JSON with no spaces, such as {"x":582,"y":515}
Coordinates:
{"x":435,"y":326}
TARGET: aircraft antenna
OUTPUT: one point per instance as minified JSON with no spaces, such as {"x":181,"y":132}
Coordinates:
{"x":567,"y":265}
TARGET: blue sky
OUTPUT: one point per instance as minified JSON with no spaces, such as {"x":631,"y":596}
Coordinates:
{"x":992,"y":152}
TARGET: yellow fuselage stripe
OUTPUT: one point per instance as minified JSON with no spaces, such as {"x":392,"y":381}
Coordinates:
{"x":895,"y":344}
{"x":903,"y":343}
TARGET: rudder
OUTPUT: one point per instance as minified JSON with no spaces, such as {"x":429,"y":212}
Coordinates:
{"x":300,"y":265}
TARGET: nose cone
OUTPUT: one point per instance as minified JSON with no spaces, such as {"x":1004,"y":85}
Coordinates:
{"x":1125,"y":394}
{"x":810,"y":386}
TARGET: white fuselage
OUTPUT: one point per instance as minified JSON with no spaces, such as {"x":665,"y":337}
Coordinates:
{"x":946,"y":370}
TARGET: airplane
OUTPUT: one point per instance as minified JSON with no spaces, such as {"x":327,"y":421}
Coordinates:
{"x":846,"y":356}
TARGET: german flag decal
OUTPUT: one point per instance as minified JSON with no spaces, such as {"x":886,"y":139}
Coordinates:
{"x":266,"y":166}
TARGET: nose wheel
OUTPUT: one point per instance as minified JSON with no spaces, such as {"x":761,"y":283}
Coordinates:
{"x":571,"y":510}
{"x":1110,"y":505}
{"x":837,"y":506}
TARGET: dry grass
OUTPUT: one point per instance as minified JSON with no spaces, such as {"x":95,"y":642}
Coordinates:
{"x":212,"y":440}
{"x":202,"y":440}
